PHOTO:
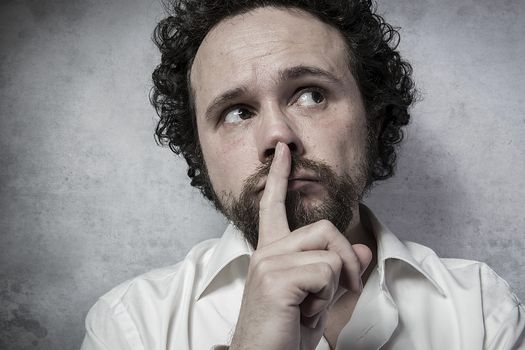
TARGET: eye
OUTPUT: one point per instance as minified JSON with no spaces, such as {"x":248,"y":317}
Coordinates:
{"x":236,"y":115}
{"x":309,"y":98}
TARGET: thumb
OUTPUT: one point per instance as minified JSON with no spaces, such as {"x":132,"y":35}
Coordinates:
{"x":364,"y":255}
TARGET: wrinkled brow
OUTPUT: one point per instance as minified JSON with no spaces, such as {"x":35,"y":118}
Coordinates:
{"x":292,"y":73}
{"x":298,"y":72}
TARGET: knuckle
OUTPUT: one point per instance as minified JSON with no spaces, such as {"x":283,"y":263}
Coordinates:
{"x":325,"y":225}
{"x":273,"y":283}
{"x":325,"y":270}
{"x":263,"y":265}
{"x":332,"y":258}
{"x":355,"y":264}
{"x":351,"y":262}
{"x":337,"y":261}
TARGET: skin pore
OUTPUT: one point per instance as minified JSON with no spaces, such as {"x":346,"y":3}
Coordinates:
{"x":281,"y":75}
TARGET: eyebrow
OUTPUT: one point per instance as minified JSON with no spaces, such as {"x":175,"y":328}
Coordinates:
{"x":298,"y":72}
{"x":291,"y":73}
{"x":223,"y":99}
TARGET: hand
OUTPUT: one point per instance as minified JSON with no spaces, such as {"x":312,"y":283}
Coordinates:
{"x":293,"y":277}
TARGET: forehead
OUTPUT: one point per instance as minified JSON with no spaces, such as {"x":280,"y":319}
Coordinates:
{"x":250,"y":48}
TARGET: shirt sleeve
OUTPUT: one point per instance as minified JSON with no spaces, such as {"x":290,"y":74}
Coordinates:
{"x":110,"y":328}
{"x":504,"y":314}
{"x":511,"y":334}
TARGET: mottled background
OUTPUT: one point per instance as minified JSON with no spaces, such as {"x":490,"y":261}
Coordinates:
{"x":88,"y":200}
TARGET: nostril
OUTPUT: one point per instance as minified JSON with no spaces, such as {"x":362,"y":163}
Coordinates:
{"x":269,"y":152}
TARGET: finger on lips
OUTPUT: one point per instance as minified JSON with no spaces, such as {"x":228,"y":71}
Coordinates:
{"x":317,"y":258}
{"x":273,"y":223}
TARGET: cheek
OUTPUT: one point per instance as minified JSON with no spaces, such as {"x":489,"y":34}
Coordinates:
{"x":348,"y":140}
{"x":226,"y":162}
{"x":355,"y":145}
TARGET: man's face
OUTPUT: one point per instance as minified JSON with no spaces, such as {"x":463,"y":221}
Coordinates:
{"x":277,"y":75}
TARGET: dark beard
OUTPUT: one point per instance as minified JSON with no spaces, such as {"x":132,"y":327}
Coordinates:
{"x":343,"y":194}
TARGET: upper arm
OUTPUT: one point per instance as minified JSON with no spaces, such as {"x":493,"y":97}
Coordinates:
{"x":511,"y":332}
{"x":504,"y":314}
{"x":110,"y":328}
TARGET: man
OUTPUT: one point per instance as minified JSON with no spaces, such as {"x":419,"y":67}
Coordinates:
{"x":287,"y":112}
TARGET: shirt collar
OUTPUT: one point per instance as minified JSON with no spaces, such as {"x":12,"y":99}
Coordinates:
{"x":232,"y":245}
{"x":390,"y":247}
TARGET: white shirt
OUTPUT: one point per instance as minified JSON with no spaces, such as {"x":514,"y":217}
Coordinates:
{"x":412,"y":300}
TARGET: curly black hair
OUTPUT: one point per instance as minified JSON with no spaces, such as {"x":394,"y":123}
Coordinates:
{"x":383,"y":77}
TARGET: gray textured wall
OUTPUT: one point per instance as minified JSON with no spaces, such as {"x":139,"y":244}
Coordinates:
{"x":88,"y":200}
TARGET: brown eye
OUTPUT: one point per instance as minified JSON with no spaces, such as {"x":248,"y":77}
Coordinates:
{"x":311,"y":98}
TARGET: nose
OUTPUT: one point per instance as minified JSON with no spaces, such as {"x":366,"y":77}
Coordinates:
{"x":275,"y":127}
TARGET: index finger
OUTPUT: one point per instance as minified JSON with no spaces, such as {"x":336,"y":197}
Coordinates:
{"x":273,"y":223}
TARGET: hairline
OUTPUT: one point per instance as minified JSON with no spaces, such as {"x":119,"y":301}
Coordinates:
{"x":349,"y":56}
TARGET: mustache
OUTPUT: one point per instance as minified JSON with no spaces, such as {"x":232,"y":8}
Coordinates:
{"x":323,"y":172}
{"x":341,"y":195}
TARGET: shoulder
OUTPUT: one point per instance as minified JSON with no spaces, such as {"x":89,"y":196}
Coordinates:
{"x":154,"y":285}
{"x":475,"y":274}
{"x":503,"y":313}
{"x":476,"y":283}
{"x":141,"y":305}
{"x":160,"y":281}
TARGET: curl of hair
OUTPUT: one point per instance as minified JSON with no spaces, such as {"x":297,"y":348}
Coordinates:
{"x":383,"y":77}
